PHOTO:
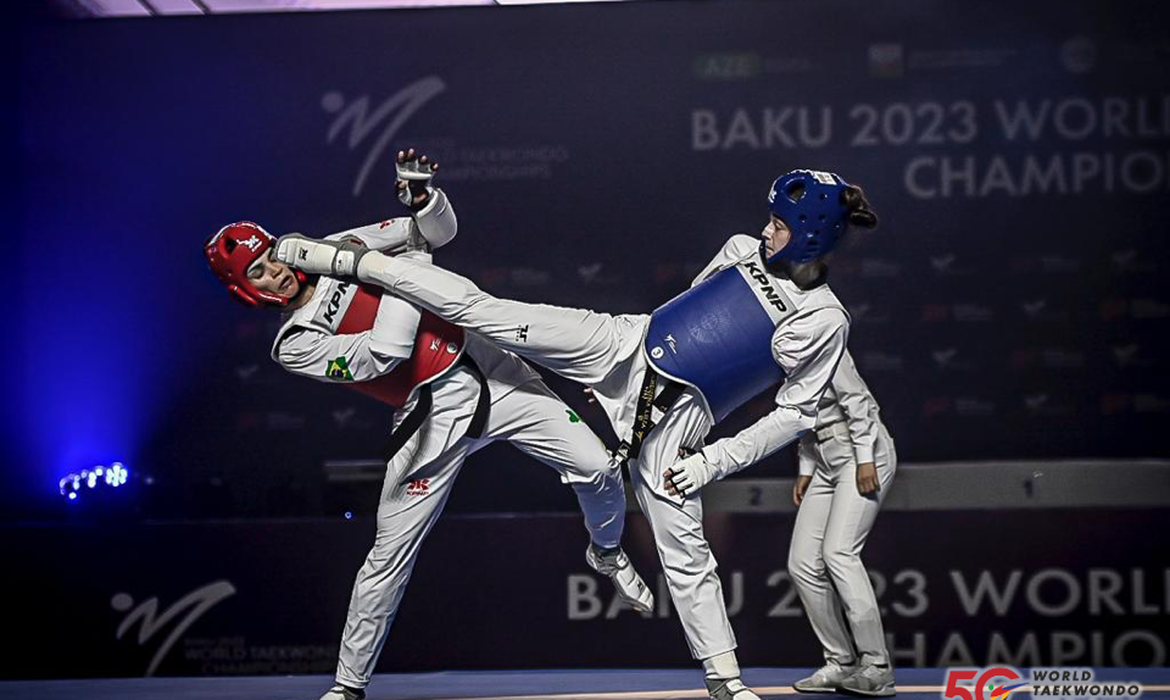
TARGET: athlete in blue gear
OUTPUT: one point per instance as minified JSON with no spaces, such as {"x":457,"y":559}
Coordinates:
{"x":757,"y":316}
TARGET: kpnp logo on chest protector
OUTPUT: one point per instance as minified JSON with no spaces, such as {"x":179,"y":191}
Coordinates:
{"x":765,"y":289}
{"x":349,"y":308}
{"x":717,"y":335}
{"x":333,"y":307}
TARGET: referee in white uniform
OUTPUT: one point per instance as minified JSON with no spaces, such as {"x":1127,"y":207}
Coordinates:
{"x":846,"y":467}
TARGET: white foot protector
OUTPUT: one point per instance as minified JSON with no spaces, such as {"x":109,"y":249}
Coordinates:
{"x":340,"y":692}
{"x":729,"y":689}
{"x":630,"y":586}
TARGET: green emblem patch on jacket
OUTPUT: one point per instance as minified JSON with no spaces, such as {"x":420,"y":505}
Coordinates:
{"x":339,"y":369}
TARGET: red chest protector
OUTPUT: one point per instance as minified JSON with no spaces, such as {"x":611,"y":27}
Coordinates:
{"x":437,"y":346}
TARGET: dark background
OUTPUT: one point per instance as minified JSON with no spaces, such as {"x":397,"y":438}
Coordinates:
{"x":996,"y":314}
{"x":1052,"y":587}
{"x":1012,"y":305}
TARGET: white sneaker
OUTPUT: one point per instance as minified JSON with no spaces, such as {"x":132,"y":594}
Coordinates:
{"x":729,"y":689}
{"x":630,"y":586}
{"x":340,"y":692}
{"x":871,"y":681}
{"x":825,"y":679}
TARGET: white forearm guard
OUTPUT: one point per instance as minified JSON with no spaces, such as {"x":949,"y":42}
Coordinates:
{"x":436,"y":221}
{"x":334,"y":258}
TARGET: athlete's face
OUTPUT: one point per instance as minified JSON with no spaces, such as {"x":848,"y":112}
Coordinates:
{"x":269,"y":275}
{"x":776,"y":235}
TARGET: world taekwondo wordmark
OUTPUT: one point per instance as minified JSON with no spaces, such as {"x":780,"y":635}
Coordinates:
{"x":389,"y":116}
{"x":194,"y":604}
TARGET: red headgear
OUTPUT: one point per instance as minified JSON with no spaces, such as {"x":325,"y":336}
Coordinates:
{"x":230,"y":253}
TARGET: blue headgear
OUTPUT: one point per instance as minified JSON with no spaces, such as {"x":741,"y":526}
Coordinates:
{"x":809,"y":202}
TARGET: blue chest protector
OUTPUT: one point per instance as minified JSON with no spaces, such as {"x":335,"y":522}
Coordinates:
{"x":717,"y":336}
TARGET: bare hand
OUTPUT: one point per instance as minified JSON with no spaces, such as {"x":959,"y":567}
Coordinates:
{"x":867,"y":479}
{"x":799,"y":488}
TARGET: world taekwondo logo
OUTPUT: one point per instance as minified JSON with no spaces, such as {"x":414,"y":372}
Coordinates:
{"x":251,"y":243}
{"x":388,"y":117}
{"x":194,"y":604}
{"x":998,"y":682}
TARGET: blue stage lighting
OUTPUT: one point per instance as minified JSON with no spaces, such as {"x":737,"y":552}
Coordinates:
{"x":117,"y":474}
{"x":113,"y":476}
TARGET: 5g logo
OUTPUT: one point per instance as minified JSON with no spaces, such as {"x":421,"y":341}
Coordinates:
{"x":997,"y":692}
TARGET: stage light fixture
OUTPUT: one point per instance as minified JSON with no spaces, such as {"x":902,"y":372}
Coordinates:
{"x":108,"y":477}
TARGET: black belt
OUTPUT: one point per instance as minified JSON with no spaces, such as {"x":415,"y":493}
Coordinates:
{"x":426,"y":400}
{"x":643,"y":413}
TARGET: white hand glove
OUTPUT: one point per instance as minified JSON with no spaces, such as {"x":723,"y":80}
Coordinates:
{"x":333,"y":258}
{"x":414,"y":179}
{"x":689,"y":475}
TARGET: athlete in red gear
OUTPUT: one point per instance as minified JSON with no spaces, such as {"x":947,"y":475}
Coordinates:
{"x":454,"y":392}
